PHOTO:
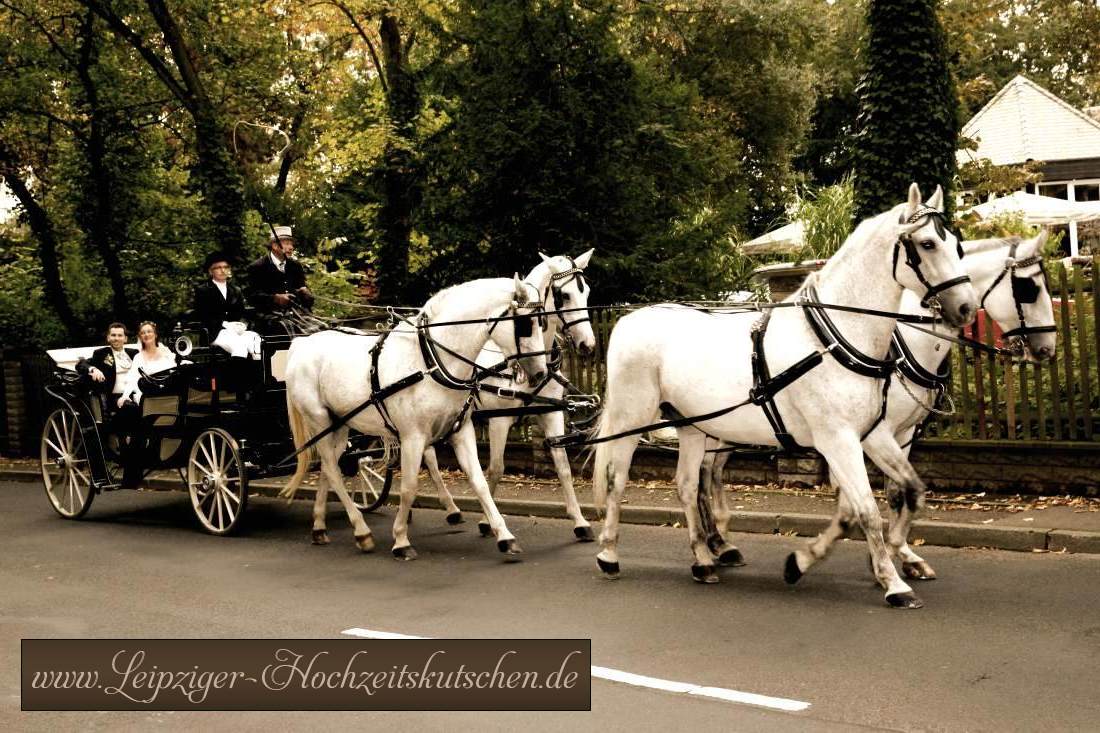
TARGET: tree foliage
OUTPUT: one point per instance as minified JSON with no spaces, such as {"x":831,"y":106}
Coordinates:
{"x":907,"y":126}
{"x":419,"y":143}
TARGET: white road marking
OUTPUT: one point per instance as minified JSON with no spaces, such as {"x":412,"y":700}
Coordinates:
{"x":638,"y":680}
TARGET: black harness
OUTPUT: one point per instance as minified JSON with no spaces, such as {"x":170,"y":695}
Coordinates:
{"x":533,"y":403}
{"x":765,"y":386}
{"x":833,"y":342}
{"x":1025,"y":290}
{"x":435,"y":368}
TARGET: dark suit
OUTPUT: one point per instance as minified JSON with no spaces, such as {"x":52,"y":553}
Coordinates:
{"x":211,"y":308}
{"x":102,"y":359}
{"x":265,"y":281}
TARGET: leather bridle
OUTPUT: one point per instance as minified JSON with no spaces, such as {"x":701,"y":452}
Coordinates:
{"x":1024,"y":291}
{"x":913,"y":258}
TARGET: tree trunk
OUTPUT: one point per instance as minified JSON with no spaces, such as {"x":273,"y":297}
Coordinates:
{"x":400,"y":180}
{"x":47,"y":242}
{"x":102,"y":232}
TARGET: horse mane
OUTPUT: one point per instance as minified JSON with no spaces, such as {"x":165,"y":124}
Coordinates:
{"x":431,"y":308}
{"x":864,"y":231}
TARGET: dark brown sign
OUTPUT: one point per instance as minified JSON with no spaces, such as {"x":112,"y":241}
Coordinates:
{"x":306,"y":674}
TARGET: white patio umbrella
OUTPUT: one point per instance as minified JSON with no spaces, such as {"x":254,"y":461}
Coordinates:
{"x":1038,"y":210}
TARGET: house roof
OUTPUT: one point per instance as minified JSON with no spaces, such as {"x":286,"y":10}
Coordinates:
{"x":1025,"y":122}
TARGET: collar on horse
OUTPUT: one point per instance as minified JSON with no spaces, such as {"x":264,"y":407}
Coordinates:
{"x":913,"y":370}
{"x":1024,"y":290}
{"x":913,"y":258}
{"x":523,"y":327}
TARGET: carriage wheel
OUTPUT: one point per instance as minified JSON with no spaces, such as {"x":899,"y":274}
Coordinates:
{"x":217,"y":481}
{"x":372,"y":486}
{"x":65,"y":467}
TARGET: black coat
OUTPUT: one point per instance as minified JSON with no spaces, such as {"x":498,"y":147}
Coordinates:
{"x":103,"y":359}
{"x":211,"y":308}
{"x":265,"y":281}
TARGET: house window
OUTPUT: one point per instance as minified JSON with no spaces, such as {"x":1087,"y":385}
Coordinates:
{"x":1054,"y":190}
{"x":1088,"y":232}
{"x":1086,"y":191}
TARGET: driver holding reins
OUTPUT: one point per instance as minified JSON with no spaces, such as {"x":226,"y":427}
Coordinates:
{"x":277,"y":286}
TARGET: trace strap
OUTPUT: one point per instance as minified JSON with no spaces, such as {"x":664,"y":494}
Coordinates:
{"x":765,"y":386}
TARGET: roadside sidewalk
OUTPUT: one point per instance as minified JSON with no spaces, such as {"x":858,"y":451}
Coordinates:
{"x":1022,"y":523}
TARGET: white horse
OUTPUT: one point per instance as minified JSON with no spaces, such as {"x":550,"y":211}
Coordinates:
{"x":1008,"y":274}
{"x":561,"y":281}
{"x":693,"y":363}
{"x":334,"y":373}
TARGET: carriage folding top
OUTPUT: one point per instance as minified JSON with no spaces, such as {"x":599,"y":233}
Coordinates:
{"x":219,"y":422}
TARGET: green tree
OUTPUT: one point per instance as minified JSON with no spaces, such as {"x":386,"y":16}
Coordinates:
{"x":907,"y":127}
{"x":1055,"y":43}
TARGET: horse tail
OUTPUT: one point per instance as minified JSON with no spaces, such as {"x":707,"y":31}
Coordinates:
{"x":601,"y":462}
{"x":298,"y":431}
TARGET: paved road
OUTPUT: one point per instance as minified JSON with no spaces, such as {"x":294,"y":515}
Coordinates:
{"x":1007,"y":641}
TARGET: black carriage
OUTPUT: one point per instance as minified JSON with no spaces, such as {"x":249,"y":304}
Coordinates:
{"x":219,"y":422}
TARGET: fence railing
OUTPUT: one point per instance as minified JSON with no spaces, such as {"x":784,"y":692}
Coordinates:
{"x":996,"y":398}
{"x":999,"y":399}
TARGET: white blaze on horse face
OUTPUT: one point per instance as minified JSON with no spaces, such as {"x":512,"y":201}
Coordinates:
{"x":574,"y":293}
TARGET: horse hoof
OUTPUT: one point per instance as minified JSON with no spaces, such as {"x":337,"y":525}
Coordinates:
{"x":903,"y":600}
{"x":365,"y":543}
{"x":732,"y":558}
{"x":610,"y":569}
{"x":704,"y":574}
{"x":485,"y":529}
{"x":584,"y":534}
{"x":509,"y":547}
{"x":791,"y":573}
{"x":455,"y":518}
{"x":404,"y":553}
{"x":320,"y":537}
{"x":918,"y":571}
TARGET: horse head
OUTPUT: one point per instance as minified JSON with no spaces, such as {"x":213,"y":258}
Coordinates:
{"x":519,"y":333}
{"x":1017,"y":297}
{"x":927,"y":259}
{"x":566,"y":295}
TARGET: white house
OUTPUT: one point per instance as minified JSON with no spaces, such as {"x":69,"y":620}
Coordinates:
{"x":1024,"y":122}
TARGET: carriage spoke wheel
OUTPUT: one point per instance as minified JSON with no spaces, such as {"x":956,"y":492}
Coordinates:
{"x":372,"y":485}
{"x":217,"y":481}
{"x":66,"y":471}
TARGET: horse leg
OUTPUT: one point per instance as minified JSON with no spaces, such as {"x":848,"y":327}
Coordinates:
{"x":330,"y":450}
{"x":465,"y":445}
{"x":454,"y":516}
{"x":553,"y":424}
{"x":412,"y":454}
{"x":905,"y":492}
{"x":717,"y":517}
{"x":616,"y":466}
{"x":689,"y":476}
{"x":498,"y":441}
{"x":845,"y":458}
{"x":320,"y":500}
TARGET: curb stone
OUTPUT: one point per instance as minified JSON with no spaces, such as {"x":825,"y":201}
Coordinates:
{"x":1060,"y":539}
{"x":957,"y":534}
